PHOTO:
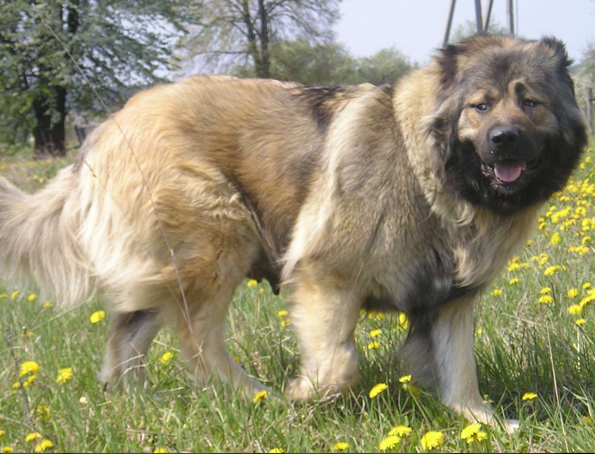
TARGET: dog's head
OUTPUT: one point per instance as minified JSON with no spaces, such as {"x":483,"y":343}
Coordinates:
{"x":507,"y":120}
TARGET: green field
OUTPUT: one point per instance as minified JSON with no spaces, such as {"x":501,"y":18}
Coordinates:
{"x":535,"y":333}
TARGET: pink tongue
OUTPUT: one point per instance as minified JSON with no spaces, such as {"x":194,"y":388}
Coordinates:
{"x":508,"y":172}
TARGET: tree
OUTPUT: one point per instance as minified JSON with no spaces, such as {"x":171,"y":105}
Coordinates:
{"x":330,"y":63}
{"x":318,"y":64}
{"x":233,"y":31}
{"x":584,"y":76}
{"x":386,"y":66}
{"x":54,"y":52}
{"x":469,"y":28}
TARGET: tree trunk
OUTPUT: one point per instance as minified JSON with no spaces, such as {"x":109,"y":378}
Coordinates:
{"x":265,"y":58}
{"x":50,"y":135}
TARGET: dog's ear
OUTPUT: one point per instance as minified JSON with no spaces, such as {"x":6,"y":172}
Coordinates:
{"x":448,"y":63}
{"x":558,"y":50}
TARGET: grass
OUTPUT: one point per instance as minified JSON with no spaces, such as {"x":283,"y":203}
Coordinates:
{"x":523,"y":345}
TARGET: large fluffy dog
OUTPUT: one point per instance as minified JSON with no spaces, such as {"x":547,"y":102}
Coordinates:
{"x":410,"y":196}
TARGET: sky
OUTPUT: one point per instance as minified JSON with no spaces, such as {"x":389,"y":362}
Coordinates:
{"x":416,"y":27}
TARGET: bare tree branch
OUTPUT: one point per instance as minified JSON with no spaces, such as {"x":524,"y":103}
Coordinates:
{"x":250,"y":27}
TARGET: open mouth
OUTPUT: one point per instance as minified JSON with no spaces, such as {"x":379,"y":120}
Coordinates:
{"x":509,"y":172}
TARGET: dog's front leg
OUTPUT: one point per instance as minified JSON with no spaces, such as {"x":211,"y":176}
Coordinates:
{"x":452,"y":345}
{"x":324,"y":313}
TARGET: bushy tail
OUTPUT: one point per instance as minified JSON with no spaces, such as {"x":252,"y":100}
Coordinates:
{"x":38,"y":239}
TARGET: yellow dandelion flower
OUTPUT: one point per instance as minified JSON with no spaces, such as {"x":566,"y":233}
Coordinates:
{"x":284,"y":323}
{"x":545,"y":290}
{"x":166,"y":357}
{"x":480,"y":436}
{"x":546,"y":299}
{"x":48,"y":304}
{"x":3,"y":296}
{"x":514,"y":266}
{"x":96,"y":317}
{"x":478,"y":332}
{"x":400,"y":431}
{"x":341,"y":446}
{"x":43,"y":412}
{"x":14,"y":294}
{"x":64,"y":375}
{"x":407,"y":386}
{"x":29,"y":381}
{"x":375,"y":333}
{"x":252,"y":283}
{"x":573,"y":293}
{"x":432,"y":440}
{"x":33,"y":436}
{"x":32,"y":297}
{"x":160,"y":450}
{"x":575,"y":309}
{"x":542,"y":259}
{"x":555,"y":239}
{"x":580,"y":321}
{"x":375,"y":315}
{"x":45,"y":444}
{"x":551,"y":270}
{"x":16,"y":385}
{"x":529,"y":243}
{"x":403,"y":323}
{"x":28,"y":367}
{"x":497,"y":292}
{"x":282,"y":314}
{"x":389,"y":442}
{"x":373,"y":345}
{"x":586,"y":240}
{"x":473,"y":433}
{"x":586,"y":285}
{"x":377,"y":389}
{"x":586,"y":300}
{"x":276,"y":450}
{"x":514,"y":280}
{"x":529,"y":396}
{"x":7,"y":449}
{"x":260,"y":396}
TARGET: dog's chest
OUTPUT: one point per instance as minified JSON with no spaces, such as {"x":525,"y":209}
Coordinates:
{"x":424,"y":283}
{"x":443,"y":267}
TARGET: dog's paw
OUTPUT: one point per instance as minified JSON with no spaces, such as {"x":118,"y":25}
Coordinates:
{"x":300,"y":389}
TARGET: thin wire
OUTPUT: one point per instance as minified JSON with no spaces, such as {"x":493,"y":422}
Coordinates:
{"x":145,"y":184}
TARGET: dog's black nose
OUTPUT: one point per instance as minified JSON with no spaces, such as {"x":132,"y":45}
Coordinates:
{"x":504,"y":136}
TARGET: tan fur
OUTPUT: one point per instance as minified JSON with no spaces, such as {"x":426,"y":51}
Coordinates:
{"x":196,"y":185}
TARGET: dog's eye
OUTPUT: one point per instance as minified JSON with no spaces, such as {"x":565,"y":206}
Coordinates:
{"x":529,"y":103}
{"x":481,"y":107}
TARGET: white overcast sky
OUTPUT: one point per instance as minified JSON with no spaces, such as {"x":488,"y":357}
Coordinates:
{"x":416,"y":27}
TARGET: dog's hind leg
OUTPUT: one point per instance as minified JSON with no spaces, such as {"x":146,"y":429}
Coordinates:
{"x":201,"y":331}
{"x":131,"y":334}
